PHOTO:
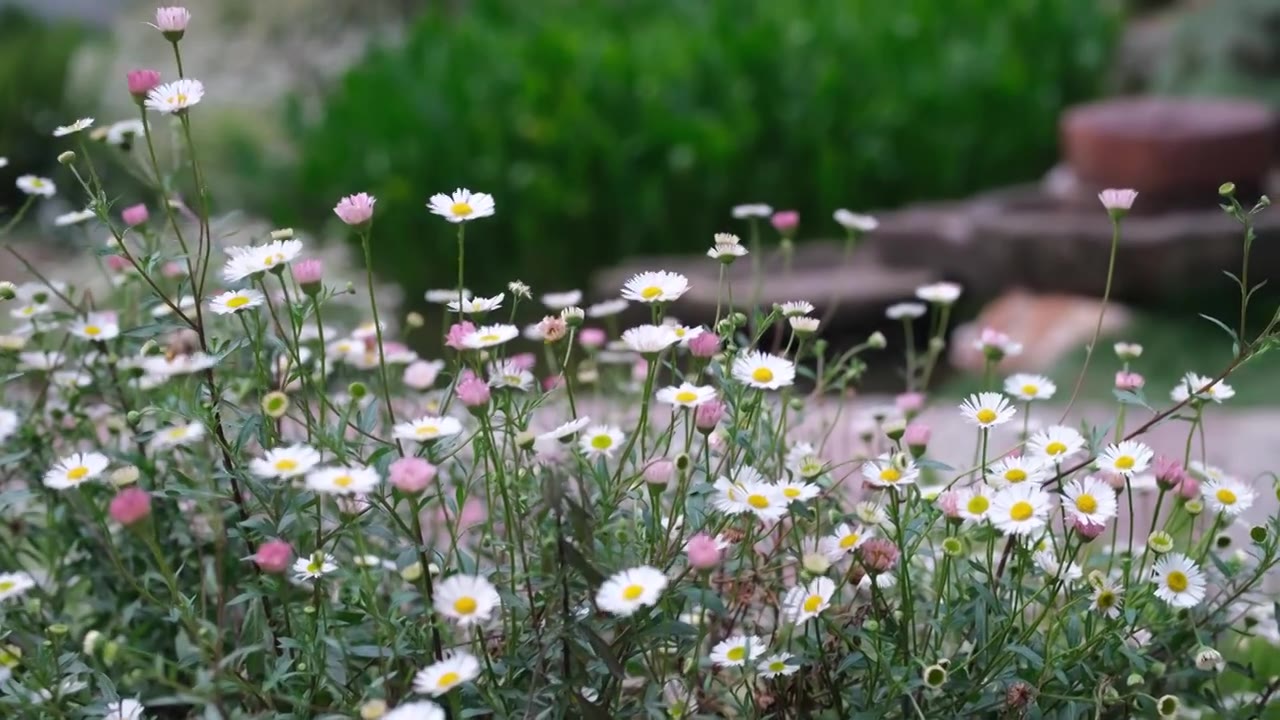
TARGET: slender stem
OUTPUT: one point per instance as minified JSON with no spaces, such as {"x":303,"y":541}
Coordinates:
{"x":1102,"y":313}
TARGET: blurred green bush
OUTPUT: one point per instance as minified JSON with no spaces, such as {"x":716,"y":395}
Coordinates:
{"x":610,"y":128}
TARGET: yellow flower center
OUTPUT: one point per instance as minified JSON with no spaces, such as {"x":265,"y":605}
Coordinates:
{"x":632,"y":592}
{"x":180,"y":99}
{"x":737,"y":654}
{"x":1021,"y":510}
{"x":651,"y":292}
{"x":986,"y":415}
{"x":177,"y":433}
{"x":686,"y":396}
{"x":92,"y":330}
{"x":286,"y":465}
{"x":602,"y":442}
{"x":1226,"y":497}
{"x":812,"y":603}
{"x":1177,"y":581}
{"x":762,"y":375}
{"x":1015,"y":475}
{"x":448,"y":679}
{"x":791,"y":492}
{"x":461,"y":209}
{"x":238,"y":301}
{"x":314,"y":566}
{"x":37,"y":183}
{"x":77,"y":473}
{"x":490,"y":338}
{"x":343,"y":481}
{"x":1125,"y":462}
{"x":28,"y":310}
{"x":758,"y":501}
{"x":777,"y":666}
{"x":890,"y":475}
{"x":849,"y":541}
{"x":424,"y":430}
{"x":1030,"y":389}
{"x":1086,"y":503}
{"x":1106,"y":599}
{"x":1055,"y":448}
{"x":464,"y":605}
{"x":7,"y":585}
{"x":978,"y":504}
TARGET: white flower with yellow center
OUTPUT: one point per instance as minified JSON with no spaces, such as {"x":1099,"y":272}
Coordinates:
{"x":885,"y":471}
{"x":940,"y":293}
{"x":686,"y":333}
{"x":443,"y":296}
{"x":462,"y":205}
{"x":1107,"y":599}
{"x":175,"y":97}
{"x":1193,"y":384}
{"x":14,"y":584}
{"x":285,"y":462}
{"x":601,"y":441}
{"x":75,"y":127}
{"x":655,"y":287}
{"x":35,"y":185}
{"x":1228,"y":496}
{"x":607,"y":308}
{"x":795,"y":308}
{"x":509,"y":374}
{"x":427,"y":428}
{"x":730,"y":496}
{"x":1055,"y":444}
{"x":74,"y":217}
{"x":466,"y":599}
{"x":420,"y":710}
{"x":176,"y":435}
{"x":248,"y":261}
{"x":1028,"y":387}
{"x":565,"y":431}
{"x":1127,"y":458}
{"x":96,"y":326}
{"x":235,"y":301}
{"x":762,"y":499}
{"x":628,"y":591}
{"x":1020,"y":509}
{"x":1179,"y":582}
{"x":805,"y":602}
{"x":974,"y":503}
{"x":1090,"y":500}
{"x":1053,"y":567}
{"x":76,"y":469}
{"x":738,"y":650}
{"x":797,"y":490}
{"x":313,"y":566}
{"x":843,"y":541}
{"x":987,"y":410}
{"x":686,"y":395}
{"x":763,"y":371}
{"x":453,"y":670}
{"x":1014,"y":470}
{"x":650,"y":339}
{"x":777,"y":665}
{"x":347,"y":480}
{"x":477,"y":305}
{"x":562,"y":300}
{"x":30,"y":310}
{"x":487,"y":336}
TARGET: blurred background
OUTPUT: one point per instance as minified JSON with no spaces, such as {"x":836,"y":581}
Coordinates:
{"x":617,"y":135}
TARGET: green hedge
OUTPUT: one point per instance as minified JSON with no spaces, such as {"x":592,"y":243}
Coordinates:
{"x":611,"y":128}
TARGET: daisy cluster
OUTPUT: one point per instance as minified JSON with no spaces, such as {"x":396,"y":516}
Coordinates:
{"x":222,"y":499}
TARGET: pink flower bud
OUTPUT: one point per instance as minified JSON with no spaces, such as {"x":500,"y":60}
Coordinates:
{"x":640,"y":370}
{"x":551,"y":382}
{"x":141,"y":82}
{"x":421,"y":374}
{"x":949,"y":503}
{"x":1168,"y":471}
{"x":704,"y":345}
{"x":917,"y":437}
{"x":708,"y":415}
{"x":593,"y":338}
{"x":552,"y":328}
{"x":910,"y":403}
{"x":1087,"y":530}
{"x":308,"y":272}
{"x":1188,"y":488}
{"x":1129,"y":381}
{"x":130,"y":505}
{"x":355,"y":209}
{"x":411,"y":474}
{"x":274,"y":556}
{"x":135,"y":215}
{"x":118,"y":263}
{"x":458,"y":333}
{"x":704,"y":553}
{"x":172,"y":20}
{"x":1115,"y":480}
{"x":785,"y":221}
{"x":173,"y":269}
{"x":878,"y":555}
{"x":659,"y":472}
{"x":474,"y":393}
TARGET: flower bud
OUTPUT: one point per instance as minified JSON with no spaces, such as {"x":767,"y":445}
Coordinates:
{"x":412,"y":572}
{"x":708,"y":415}
{"x":934,"y":676}
{"x":1258,"y":534}
{"x":704,"y":345}
{"x":916,"y":436}
{"x":90,"y":643}
{"x":274,"y":556}
{"x":1160,"y":542}
{"x":309,"y":272}
{"x":573,"y":316}
{"x":1168,"y":471}
{"x":474,"y":393}
{"x":8,"y":290}
{"x":373,"y":710}
{"x":411,"y":474}
{"x":172,"y":22}
{"x":135,"y":215}
{"x":275,"y":404}
{"x":131,"y":505}
{"x":877,"y":341}
{"x":1209,"y":660}
{"x":1129,"y":381}
{"x":1168,"y":706}
{"x":126,"y":475}
{"x":66,"y":157}
{"x":141,"y":82}
{"x":703,"y":552}
{"x":895,"y":428}
{"x":1193,"y":507}
{"x":659,"y":472}
{"x":1087,"y":531}
{"x":910,"y":403}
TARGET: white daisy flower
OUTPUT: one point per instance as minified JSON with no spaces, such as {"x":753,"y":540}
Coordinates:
{"x":248,"y":261}
{"x":75,"y":469}
{"x":762,"y":499}
{"x":462,"y":205}
{"x":1192,"y":384}
{"x":1090,"y":500}
{"x":4,"y":162}
{"x":987,"y":410}
{"x":476,"y":305}
{"x":870,"y":513}
{"x":853,"y":221}
{"x":941,"y":293}
{"x":1107,"y":599}
{"x":1179,"y":582}
{"x":8,"y":424}
{"x":176,"y":436}
{"x":601,"y":441}
{"x":509,"y":374}
{"x":562,"y":300}
{"x":487,"y":336}
{"x":655,"y":287}
{"x":74,"y":218}
{"x":175,"y":97}
{"x":751,"y":210}
{"x":427,"y":428}
{"x":777,"y":665}
{"x":804,"y":325}
{"x":628,"y":591}
{"x":1018,"y":469}
{"x":905,"y":311}
{"x":34,"y":185}
{"x":974,"y":503}
{"x":798,"y":491}
{"x":30,"y":310}
{"x":1027,"y":387}
{"x":349,"y":480}
{"x":439,"y":678}
{"x":14,"y":584}
{"x":738,"y":650}
{"x":75,"y":127}
{"x":186,"y":302}
{"x":726,"y":248}
{"x":731,"y":497}
{"x":39,"y":360}
{"x":763,"y":371}
{"x":607,"y":308}
{"x":805,"y":602}
{"x":285,"y":462}
{"x":1055,"y":444}
{"x":466,"y":599}
{"x":794,"y":308}
{"x":885,"y":472}
{"x":1228,"y":496}
{"x":686,"y":333}
{"x":125,"y":709}
{"x":1128,"y":458}
{"x":1053,"y":567}
{"x":650,"y":339}
{"x":843,"y":541}
{"x":442,"y":296}
{"x":313,"y":566}
{"x":233,"y":301}
{"x":97,"y":326}
{"x":1020,"y":509}
{"x":419,"y":710}
{"x":565,"y":431}
{"x":123,"y":132}
{"x":687,"y":395}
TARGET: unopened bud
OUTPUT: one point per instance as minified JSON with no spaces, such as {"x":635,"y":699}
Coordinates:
{"x":66,"y":157}
{"x":275,"y":404}
{"x":877,"y":341}
{"x":357,"y":390}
